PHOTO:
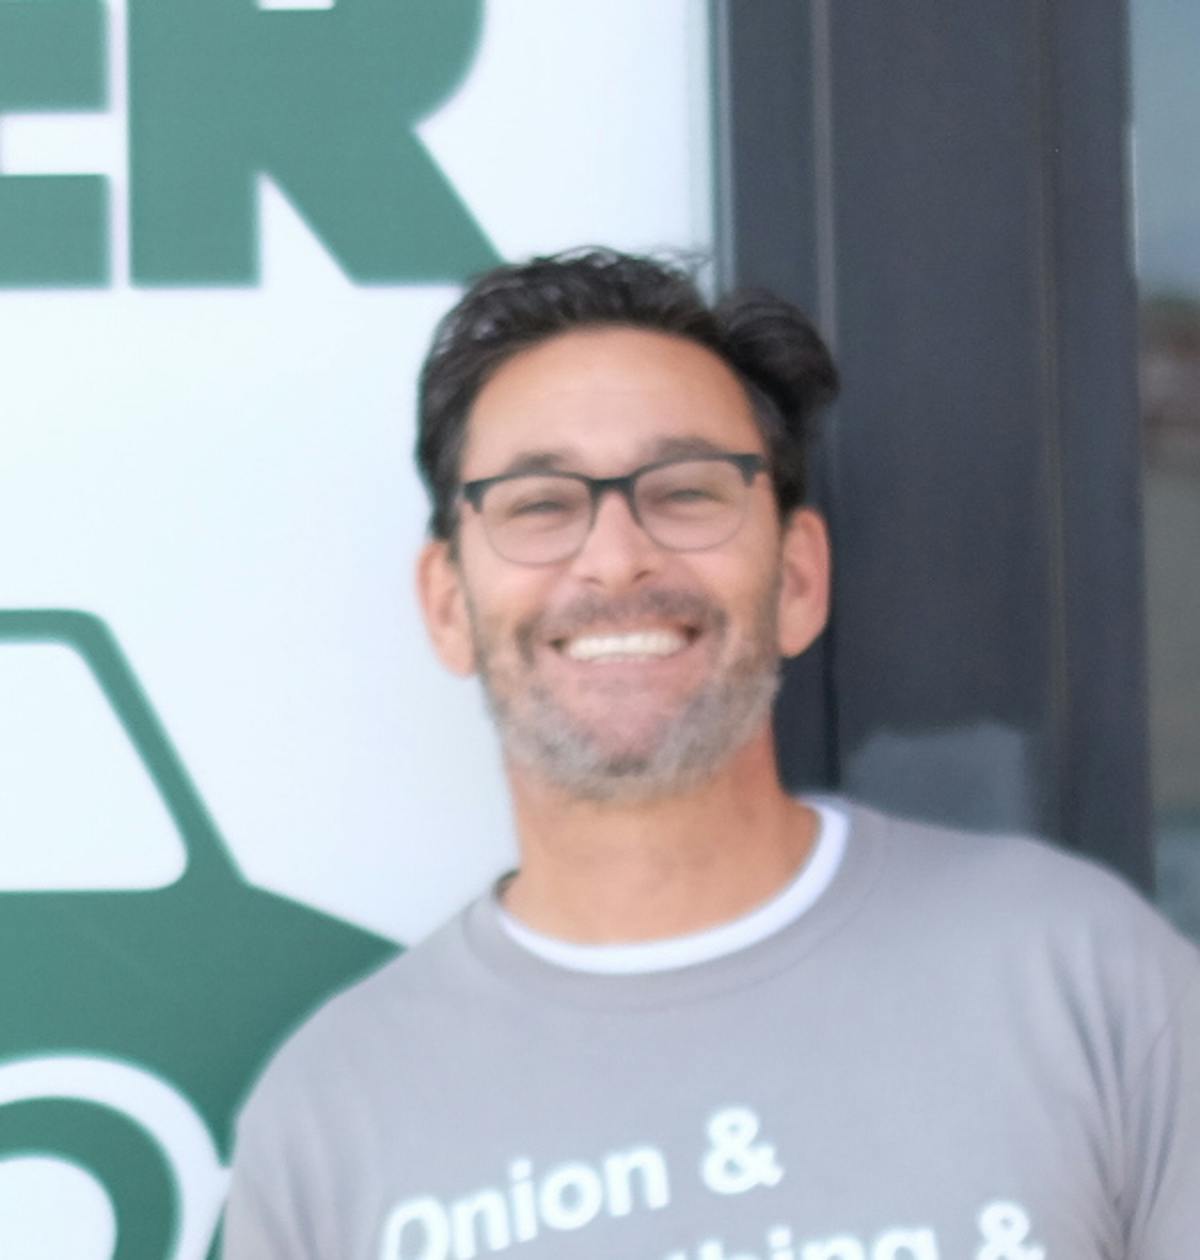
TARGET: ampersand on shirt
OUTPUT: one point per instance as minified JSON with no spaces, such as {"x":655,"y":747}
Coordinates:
{"x":736,"y":1163}
{"x":1004,"y":1227}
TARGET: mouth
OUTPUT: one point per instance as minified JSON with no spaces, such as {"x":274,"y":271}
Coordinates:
{"x":653,"y":628}
{"x":651,"y":643}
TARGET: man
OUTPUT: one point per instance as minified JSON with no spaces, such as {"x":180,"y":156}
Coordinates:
{"x":703,"y":1020}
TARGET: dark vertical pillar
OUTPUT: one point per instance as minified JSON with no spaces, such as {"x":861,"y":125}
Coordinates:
{"x":768,"y":228}
{"x":1105,"y":765}
{"x":945,"y":187}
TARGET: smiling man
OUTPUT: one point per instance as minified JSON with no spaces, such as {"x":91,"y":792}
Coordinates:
{"x":703,"y":1020}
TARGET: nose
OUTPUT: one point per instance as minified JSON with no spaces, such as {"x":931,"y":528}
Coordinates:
{"x":617,"y":551}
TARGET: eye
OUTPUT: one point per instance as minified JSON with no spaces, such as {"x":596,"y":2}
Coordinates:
{"x":539,"y":507}
{"x":684,"y":497}
{"x":688,"y":494}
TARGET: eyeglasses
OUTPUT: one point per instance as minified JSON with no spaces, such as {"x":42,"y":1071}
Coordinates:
{"x":688,"y":504}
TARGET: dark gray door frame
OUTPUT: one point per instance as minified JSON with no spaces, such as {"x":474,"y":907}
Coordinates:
{"x":945,"y":188}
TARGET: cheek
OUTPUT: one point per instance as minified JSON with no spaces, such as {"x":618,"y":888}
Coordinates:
{"x":504,"y":606}
{"x":753,"y":603}
{"x":745,"y":577}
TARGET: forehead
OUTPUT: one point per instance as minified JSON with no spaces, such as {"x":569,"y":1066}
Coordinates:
{"x":603,"y":400}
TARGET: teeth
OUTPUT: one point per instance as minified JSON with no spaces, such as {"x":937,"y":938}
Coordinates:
{"x":597,"y":647}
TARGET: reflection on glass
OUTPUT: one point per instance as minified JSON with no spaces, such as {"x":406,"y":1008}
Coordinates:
{"x":1166,"y":96}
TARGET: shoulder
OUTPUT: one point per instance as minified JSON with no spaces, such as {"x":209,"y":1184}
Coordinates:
{"x":998,"y":866}
{"x":361,"y":1032}
{"x":1026,"y":898}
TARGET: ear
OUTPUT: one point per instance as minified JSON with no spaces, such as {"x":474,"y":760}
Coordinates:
{"x":444,"y":606}
{"x":804,"y":581}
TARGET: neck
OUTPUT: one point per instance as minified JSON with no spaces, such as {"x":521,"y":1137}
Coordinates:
{"x":606,"y":872}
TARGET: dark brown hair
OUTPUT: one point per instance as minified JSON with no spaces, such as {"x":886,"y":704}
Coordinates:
{"x":768,"y":343}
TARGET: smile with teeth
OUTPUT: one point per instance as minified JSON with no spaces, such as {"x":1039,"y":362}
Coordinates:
{"x":630,"y":646}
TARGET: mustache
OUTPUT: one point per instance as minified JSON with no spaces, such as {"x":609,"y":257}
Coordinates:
{"x":612,"y":613}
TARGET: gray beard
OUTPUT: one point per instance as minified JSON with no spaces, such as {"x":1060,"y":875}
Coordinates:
{"x":689,"y":745}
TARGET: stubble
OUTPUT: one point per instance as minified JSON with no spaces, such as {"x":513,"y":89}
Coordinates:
{"x":599,"y":761}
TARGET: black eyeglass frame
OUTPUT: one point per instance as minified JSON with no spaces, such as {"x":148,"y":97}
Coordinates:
{"x":749,"y":464}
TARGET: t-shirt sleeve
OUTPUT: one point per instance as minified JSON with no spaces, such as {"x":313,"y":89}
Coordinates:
{"x":251,"y":1231}
{"x":1164,"y":1151}
{"x":266,"y":1217}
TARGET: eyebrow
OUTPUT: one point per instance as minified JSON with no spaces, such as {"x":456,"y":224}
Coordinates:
{"x":559,"y":460}
{"x":537,"y":461}
{"x":682,"y":447}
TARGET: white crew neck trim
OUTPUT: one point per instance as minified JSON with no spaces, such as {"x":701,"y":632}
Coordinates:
{"x":697,"y":947}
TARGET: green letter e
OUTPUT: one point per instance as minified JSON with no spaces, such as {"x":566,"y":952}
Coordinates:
{"x":53,"y":228}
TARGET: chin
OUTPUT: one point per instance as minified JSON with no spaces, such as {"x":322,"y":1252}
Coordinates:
{"x":619,"y":783}
{"x":640,"y":756}
{"x":675,"y":759}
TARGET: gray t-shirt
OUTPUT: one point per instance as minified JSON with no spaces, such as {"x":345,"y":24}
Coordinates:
{"x":969,"y":1048}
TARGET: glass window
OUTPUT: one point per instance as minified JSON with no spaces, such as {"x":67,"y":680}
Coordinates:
{"x":1166,"y":108}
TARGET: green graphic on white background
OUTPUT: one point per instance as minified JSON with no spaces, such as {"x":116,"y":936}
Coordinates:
{"x":222,"y":465}
{"x":53,"y":230}
{"x":145,"y":1015}
{"x":220,"y":92}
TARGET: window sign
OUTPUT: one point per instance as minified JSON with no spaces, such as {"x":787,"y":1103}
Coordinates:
{"x":232,"y":776}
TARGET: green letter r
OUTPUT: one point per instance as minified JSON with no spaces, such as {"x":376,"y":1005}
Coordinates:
{"x":322,"y":101}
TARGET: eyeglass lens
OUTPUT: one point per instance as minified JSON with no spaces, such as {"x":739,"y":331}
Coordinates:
{"x":687,"y":505}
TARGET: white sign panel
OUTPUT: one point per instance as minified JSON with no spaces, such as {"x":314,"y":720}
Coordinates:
{"x":226,"y":232}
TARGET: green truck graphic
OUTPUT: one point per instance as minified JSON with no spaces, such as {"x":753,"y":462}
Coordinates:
{"x":134,"y":1022}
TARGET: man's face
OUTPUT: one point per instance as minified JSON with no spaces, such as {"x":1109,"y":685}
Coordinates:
{"x":628,"y":670}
